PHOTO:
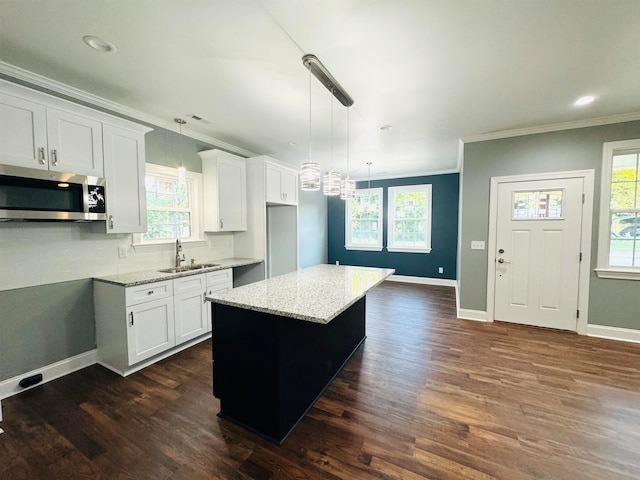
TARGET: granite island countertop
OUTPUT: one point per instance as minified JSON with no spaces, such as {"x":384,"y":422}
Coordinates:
{"x":142,"y":277}
{"x":316,"y":294}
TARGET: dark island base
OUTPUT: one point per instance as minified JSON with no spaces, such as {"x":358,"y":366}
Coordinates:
{"x":269,"y":370}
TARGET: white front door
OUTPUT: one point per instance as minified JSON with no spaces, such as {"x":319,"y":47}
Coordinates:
{"x":537,"y":254}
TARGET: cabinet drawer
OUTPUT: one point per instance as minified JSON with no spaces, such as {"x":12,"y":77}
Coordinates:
{"x":148,"y":292}
{"x":220,"y":278}
{"x":190,"y":283}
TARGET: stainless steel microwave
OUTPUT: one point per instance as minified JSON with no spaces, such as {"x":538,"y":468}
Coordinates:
{"x":41,"y":195}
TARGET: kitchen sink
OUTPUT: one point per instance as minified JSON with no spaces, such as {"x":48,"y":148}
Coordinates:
{"x":189,"y":268}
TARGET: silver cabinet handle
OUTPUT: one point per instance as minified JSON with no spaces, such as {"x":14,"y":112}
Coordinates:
{"x":41,"y":158}
{"x":54,"y":157}
{"x":221,"y":223}
{"x":150,"y":292}
{"x":131,"y":322}
{"x":110,"y":221}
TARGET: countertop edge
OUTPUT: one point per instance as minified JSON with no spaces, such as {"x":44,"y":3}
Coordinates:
{"x":158,"y":276}
{"x":293,"y":315}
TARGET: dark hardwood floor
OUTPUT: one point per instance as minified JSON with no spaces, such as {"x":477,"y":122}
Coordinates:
{"x":427,"y":396}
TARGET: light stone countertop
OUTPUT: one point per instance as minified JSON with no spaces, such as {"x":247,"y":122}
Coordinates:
{"x":142,"y":277}
{"x":316,"y":294}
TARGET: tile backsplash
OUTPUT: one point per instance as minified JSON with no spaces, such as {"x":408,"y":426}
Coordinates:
{"x":42,"y":253}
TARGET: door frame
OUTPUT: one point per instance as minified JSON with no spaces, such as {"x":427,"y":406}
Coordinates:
{"x":588,"y":177}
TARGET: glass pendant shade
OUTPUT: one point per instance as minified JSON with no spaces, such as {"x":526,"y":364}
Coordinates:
{"x":331,"y":183}
{"x":347,"y":189}
{"x":310,"y":176}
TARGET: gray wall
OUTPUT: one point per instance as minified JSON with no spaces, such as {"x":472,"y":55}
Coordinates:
{"x":45,"y":324}
{"x":312,"y":228}
{"x":576,"y":149}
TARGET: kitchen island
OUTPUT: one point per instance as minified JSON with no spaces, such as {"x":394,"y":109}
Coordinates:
{"x":278,"y":343}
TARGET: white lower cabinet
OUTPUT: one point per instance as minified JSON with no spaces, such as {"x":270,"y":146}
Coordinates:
{"x":150,"y":329}
{"x":190,"y":307}
{"x":136,"y":326}
{"x":217,"y":282}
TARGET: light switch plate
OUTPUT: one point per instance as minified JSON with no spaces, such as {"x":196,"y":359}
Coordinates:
{"x":122,"y":252}
{"x":477,"y":244}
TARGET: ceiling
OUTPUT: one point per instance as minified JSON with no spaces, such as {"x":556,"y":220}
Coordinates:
{"x":435,"y":70}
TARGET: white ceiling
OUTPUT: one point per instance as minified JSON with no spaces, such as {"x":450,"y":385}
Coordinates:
{"x":436,"y":70}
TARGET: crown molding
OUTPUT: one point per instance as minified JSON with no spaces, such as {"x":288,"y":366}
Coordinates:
{"x":52,"y":85}
{"x":553,"y":127}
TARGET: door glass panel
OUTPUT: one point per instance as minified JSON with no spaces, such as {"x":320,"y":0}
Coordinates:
{"x":537,"y":204}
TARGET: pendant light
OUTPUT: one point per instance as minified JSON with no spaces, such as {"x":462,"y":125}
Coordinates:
{"x":310,"y":170}
{"x":348,"y":186}
{"x":331,"y":179}
{"x":182,"y":172}
{"x":368,"y":206}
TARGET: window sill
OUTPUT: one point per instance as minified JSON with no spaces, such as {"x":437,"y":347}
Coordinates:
{"x":408,"y":250}
{"x":367,"y":249}
{"x":618,"y":273}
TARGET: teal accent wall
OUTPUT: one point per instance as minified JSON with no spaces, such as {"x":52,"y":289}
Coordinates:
{"x":611,"y":302}
{"x":45,"y":324}
{"x":444,"y":231}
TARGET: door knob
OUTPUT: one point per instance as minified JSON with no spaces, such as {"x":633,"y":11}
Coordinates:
{"x":502,"y":260}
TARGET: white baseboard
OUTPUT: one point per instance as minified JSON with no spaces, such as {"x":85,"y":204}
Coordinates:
{"x":49,"y":372}
{"x":477,"y":315}
{"x":614,"y":333}
{"x":423,"y":280}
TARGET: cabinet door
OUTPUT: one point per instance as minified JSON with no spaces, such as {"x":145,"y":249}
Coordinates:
{"x":190,"y":315}
{"x":23,"y":133}
{"x":75,"y":143}
{"x":124,"y":155}
{"x":273,"y":180}
{"x":232,"y":197}
{"x":218,"y":281}
{"x":289,"y":187}
{"x":150,"y":329}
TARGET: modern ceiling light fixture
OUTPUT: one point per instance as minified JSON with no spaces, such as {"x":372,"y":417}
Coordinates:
{"x":316,"y":67}
{"x":310,"y":170}
{"x":348,"y":186}
{"x":182,"y":172}
{"x":331,"y":179}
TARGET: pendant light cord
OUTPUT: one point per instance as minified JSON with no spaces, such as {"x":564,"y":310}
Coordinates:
{"x":310,"y":116}
{"x":347,"y":143}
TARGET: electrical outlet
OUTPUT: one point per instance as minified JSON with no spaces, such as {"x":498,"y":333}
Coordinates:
{"x":440,"y":270}
{"x":337,"y":262}
{"x":122,"y":252}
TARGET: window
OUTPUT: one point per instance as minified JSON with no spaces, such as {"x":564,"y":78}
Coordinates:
{"x":536,"y":205}
{"x":364,"y":221}
{"x":173,"y":207}
{"x":409,"y":219}
{"x":619,"y":239}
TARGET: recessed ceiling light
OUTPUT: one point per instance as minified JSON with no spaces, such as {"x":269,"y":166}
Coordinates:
{"x":586,"y":100}
{"x":99,"y":44}
{"x":385,"y":128}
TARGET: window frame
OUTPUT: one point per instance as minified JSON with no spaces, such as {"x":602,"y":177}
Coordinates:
{"x":391,"y":191}
{"x":348,"y":207}
{"x":603,"y":268}
{"x":194,"y":179}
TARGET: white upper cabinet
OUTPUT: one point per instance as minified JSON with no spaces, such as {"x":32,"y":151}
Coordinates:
{"x":281,"y":184}
{"x":44,"y":132}
{"x":36,"y":136}
{"x":23,"y":133}
{"x":124,"y":155}
{"x":75,"y":143}
{"x":224,"y":177}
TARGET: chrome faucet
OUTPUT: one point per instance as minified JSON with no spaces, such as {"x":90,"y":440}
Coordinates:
{"x":178,"y":252}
